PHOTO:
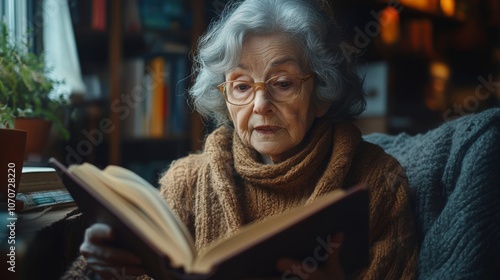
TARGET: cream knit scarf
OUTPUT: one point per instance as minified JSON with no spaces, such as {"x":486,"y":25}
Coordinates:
{"x":234,"y":187}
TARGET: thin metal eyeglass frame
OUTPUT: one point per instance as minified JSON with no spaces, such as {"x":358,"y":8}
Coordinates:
{"x":302,"y":80}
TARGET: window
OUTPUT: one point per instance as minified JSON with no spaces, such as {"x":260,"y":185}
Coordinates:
{"x":15,"y":13}
{"x":45,"y":24}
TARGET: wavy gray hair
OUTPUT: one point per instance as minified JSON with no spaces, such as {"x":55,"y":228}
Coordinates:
{"x":307,"y":24}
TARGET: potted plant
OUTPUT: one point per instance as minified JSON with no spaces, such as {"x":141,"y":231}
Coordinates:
{"x":26,"y":92}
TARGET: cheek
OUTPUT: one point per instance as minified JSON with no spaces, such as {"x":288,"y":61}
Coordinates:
{"x":240,"y":118}
{"x":298,"y":128}
{"x":300,"y":119}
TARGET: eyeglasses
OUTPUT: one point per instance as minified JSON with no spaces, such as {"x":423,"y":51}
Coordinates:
{"x":283,"y":88}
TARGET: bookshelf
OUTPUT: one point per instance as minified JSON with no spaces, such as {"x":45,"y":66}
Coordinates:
{"x":425,"y":39}
{"x":138,"y":55}
{"x":436,"y":53}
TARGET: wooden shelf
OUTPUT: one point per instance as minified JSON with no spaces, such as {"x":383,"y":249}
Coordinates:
{"x":103,"y":53}
{"x":154,"y":149}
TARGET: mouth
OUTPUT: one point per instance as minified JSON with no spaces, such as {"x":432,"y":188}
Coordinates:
{"x":267,"y":129}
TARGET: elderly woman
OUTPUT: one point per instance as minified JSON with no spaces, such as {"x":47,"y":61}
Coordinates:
{"x":272,"y":76}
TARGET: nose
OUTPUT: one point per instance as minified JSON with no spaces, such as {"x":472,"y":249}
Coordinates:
{"x":262,"y":104}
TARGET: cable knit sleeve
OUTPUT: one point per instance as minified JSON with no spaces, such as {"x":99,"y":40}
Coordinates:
{"x":394,"y":245}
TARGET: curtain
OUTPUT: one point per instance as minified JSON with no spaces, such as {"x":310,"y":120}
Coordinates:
{"x":15,"y":15}
{"x":60,"y":47}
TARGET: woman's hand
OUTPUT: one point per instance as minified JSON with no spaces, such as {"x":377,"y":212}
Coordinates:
{"x":331,"y":269}
{"x":105,"y":260}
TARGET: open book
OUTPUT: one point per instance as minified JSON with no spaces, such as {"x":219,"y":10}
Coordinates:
{"x":146,"y":225}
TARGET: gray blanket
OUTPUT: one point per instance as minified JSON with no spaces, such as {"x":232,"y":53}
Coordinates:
{"x":454,"y":176}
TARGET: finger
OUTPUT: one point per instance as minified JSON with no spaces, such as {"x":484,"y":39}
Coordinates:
{"x":99,"y":233}
{"x":109,"y":255}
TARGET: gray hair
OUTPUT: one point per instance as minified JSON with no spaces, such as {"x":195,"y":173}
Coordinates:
{"x":307,"y":24}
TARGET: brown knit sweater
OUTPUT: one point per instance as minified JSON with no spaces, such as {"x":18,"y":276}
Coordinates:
{"x":226,"y":186}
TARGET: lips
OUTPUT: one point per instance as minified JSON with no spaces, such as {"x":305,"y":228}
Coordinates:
{"x":267,"y":129}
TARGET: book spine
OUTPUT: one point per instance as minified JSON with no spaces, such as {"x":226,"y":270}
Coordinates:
{"x":157,"y":122}
{"x":132,"y":20}
{"x":134,"y":91}
{"x":178,"y":116}
{"x":98,"y":20}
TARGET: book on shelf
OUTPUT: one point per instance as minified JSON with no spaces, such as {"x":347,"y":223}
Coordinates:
{"x":155,"y":92}
{"x":159,"y":97}
{"x":99,"y":15}
{"x":417,"y":38}
{"x":146,"y":225}
{"x":178,"y":118}
{"x":131,"y":17}
{"x":134,"y":81}
{"x":162,"y":14}
{"x":89,"y":14}
{"x":41,"y":187}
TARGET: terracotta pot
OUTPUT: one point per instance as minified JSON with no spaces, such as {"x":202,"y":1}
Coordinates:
{"x":38,"y":134}
{"x":12,"y":143}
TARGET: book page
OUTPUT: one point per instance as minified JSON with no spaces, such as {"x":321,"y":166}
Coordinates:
{"x":180,"y":230}
{"x":149,"y":200}
{"x":138,"y":219}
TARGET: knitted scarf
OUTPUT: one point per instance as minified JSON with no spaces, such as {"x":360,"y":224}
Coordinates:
{"x":235,"y":187}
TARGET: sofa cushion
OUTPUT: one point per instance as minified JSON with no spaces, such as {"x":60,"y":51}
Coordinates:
{"x":454,"y":175}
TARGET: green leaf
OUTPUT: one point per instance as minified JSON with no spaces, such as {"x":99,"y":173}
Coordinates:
{"x":26,"y":74}
{"x":24,"y":85}
{"x":2,"y":87}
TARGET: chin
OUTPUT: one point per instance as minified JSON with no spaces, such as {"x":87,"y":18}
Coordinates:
{"x":269,"y":152}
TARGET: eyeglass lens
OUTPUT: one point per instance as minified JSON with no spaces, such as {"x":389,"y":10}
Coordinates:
{"x":281,"y":88}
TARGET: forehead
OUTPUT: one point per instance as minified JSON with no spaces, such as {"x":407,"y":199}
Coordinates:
{"x":270,"y":51}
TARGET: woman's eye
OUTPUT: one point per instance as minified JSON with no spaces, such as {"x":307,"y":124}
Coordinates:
{"x":282,"y":84}
{"x":242,"y":87}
